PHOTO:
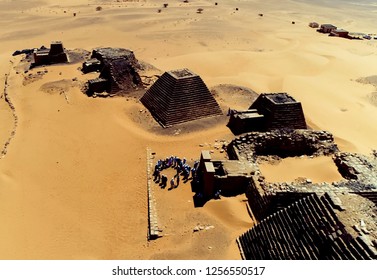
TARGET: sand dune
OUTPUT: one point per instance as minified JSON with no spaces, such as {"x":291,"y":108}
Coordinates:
{"x":73,"y":180}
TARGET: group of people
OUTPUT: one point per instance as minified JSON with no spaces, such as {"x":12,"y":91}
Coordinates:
{"x":181,"y":166}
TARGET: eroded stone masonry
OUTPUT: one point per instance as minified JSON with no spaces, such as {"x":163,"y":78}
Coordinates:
{"x":118,"y":70}
{"x":305,"y":220}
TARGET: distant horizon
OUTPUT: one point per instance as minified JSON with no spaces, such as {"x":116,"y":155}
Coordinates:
{"x":356,"y":3}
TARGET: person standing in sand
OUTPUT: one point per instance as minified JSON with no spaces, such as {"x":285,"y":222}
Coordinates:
{"x":193,"y":173}
{"x":164,"y":180}
{"x":156,"y":175}
{"x":172,"y":183}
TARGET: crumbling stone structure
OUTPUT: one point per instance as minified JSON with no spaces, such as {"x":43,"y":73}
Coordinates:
{"x":101,"y":56}
{"x":340,"y":33}
{"x":246,"y":121}
{"x":180,"y":96}
{"x":108,"y":54}
{"x":308,"y":229}
{"x":231,"y":177}
{"x":326,"y":28}
{"x":91,"y":65}
{"x":359,"y":171}
{"x":302,"y":220}
{"x":270,"y":111}
{"x":118,"y":71}
{"x":357,"y":166}
{"x":97,"y":85}
{"x":55,"y":54}
{"x":282,"y":143}
{"x":240,"y":174}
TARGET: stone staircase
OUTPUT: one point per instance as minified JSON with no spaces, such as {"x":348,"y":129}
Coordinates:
{"x":308,"y":229}
{"x":172,"y":100}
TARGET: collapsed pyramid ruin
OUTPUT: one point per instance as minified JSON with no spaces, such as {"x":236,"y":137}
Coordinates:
{"x":55,"y":54}
{"x":231,"y":176}
{"x":308,"y":229}
{"x":118,"y":71}
{"x":306,"y":220}
{"x":270,"y":111}
{"x":298,"y":220}
{"x":180,"y":96}
{"x":100,"y":56}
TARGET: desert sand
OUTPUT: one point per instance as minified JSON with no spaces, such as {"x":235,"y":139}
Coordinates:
{"x":318,"y":170}
{"x":73,"y":179}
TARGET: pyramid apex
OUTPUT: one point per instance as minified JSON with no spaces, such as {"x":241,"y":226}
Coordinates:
{"x":181,"y":73}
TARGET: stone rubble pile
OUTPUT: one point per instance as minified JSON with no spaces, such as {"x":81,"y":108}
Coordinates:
{"x":283,"y":143}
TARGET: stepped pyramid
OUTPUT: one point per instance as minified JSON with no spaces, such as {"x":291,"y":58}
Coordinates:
{"x":55,"y":54}
{"x":280,"y":110}
{"x":268,"y":112}
{"x":179,"y":96}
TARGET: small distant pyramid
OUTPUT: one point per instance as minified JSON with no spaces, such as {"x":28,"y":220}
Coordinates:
{"x":269,"y":111}
{"x":180,"y":96}
{"x":55,"y":54}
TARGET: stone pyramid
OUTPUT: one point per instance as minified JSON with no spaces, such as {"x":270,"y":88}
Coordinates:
{"x":280,"y":111}
{"x":180,"y":96}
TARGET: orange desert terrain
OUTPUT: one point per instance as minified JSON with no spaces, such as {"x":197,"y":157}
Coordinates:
{"x":73,"y":176}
